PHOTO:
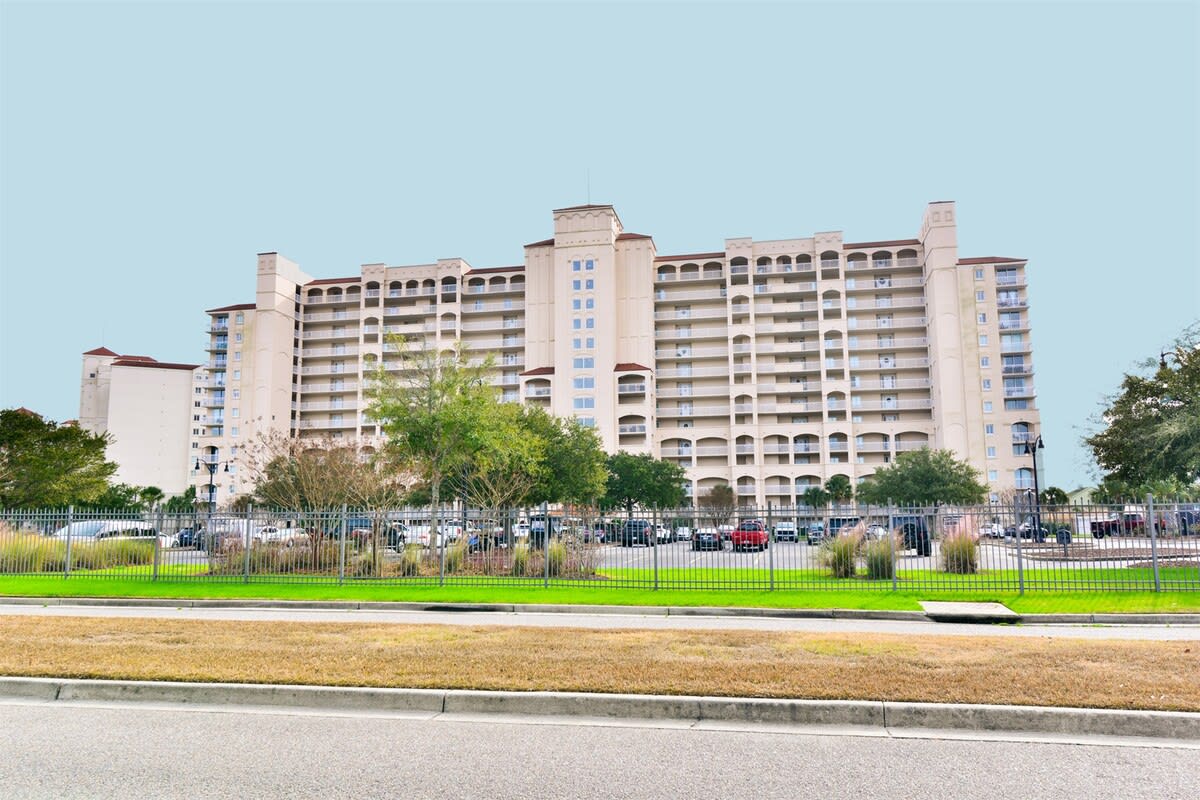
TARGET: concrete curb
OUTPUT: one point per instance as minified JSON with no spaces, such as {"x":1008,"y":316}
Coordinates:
{"x":638,"y":611}
{"x":867,"y":714}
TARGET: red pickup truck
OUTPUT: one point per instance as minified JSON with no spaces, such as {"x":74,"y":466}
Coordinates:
{"x":750,"y":534}
{"x":1128,"y":522}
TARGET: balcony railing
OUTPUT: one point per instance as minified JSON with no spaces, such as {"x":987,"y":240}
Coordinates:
{"x":631,"y":388}
{"x":631,"y":428}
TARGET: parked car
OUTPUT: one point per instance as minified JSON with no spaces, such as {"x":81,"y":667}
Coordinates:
{"x":877,"y":532}
{"x":1128,"y":522}
{"x":287,"y":537}
{"x":97,"y":530}
{"x":638,"y":531}
{"x":1188,"y":520}
{"x":786,"y":532}
{"x":1027,"y":529}
{"x":750,"y":534}
{"x":725,"y":531}
{"x":914,"y":534}
{"x":187,"y":537}
{"x":992,"y":530}
{"x":682,"y":533}
{"x":815,"y":533}
{"x":707,"y":539}
{"x":663,"y":534}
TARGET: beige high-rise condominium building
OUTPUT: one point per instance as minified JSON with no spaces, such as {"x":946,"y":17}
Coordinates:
{"x":770,"y":365}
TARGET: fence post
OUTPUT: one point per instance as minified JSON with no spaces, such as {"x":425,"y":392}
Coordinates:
{"x":654,"y":543}
{"x":342,"y":547}
{"x":157,"y":548}
{"x":1153,"y":528}
{"x":67,"y":562}
{"x":770,"y":549}
{"x":249,"y":539}
{"x":545,"y":545}
{"x":1017,"y":533}
{"x":891,"y":534}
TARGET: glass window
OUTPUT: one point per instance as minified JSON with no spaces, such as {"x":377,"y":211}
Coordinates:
{"x":985,"y":362}
{"x":576,"y":304}
{"x":991,"y":452}
{"x":983,"y":340}
{"x":979,"y":297}
{"x":585,"y":382}
{"x":576,"y":323}
{"x":590,"y":284}
{"x":982,"y":319}
{"x":591,"y":343}
{"x":978,"y":274}
{"x":993,"y":475}
{"x":987,"y":406}
{"x":585,"y":363}
{"x":233,"y":431}
{"x":577,"y":343}
{"x":240,"y":318}
{"x":585,"y":402}
{"x":987,"y":384}
{"x":989,"y":429}
{"x":590,"y":303}
{"x":575,"y":266}
{"x":587,"y":422}
{"x":591,"y":322}
{"x":575,"y":284}
{"x":591,"y":264}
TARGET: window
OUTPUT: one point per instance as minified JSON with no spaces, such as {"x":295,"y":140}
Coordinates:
{"x":235,"y":413}
{"x":237,"y":355}
{"x":891,"y":417}
{"x":585,"y":402}
{"x":993,"y":475}
{"x":980,"y":297}
{"x":983,"y":319}
{"x":590,"y":303}
{"x":987,"y":406}
{"x":240,"y":318}
{"x":233,"y":431}
{"x":237,"y":393}
{"x":237,"y":337}
{"x":591,"y":265}
{"x":985,"y":362}
{"x":1006,"y":277}
{"x":585,"y":363}
{"x":590,"y":284}
{"x":1016,"y":405}
{"x":576,"y":323}
{"x":587,"y":422}
{"x":576,"y":284}
{"x":591,"y":343}
{"x":577,"y":343}
{"x":991,"y":452}
{"x":576,"y":304}
{"x":591,"y":322}
{"x":978,"y":274}
{"x":983,"y":340}
{"x":987,"y":384}
{"x":1023,"y":478}
{"x":576,"y":266}
{"x":989,"y":429}
{"x":585,"y":382}
{"x":237,"y":374}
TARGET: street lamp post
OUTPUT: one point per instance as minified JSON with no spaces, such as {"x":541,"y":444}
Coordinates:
{"x":211,"y":466}
{"x":1031,"y":449}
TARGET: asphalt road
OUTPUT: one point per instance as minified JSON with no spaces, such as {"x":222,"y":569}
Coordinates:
{"x":611,"y":621}
{"x":79,"y":751}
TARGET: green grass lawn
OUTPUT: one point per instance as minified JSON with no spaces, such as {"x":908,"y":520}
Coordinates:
{"x":877,"y":598}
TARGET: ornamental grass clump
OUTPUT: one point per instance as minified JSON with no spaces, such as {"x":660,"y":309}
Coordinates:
{"x":520,"y":560}
{"x":840,"y":554}
{"x":880,"y":556}
{"x":960,"y":550}
{"x":456,"y":556}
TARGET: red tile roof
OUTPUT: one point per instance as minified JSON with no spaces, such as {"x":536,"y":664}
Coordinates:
{"x":28,"y":412}
{"x":238,"y":307}
{"x":992,"y":260}
{"x":539,"y":371}
{"x":99,"y":351}
{"x":152,"y":364}
{"x":542,"y":243}
{"x":136,"y":358}
{"x":630,"y":367}
{"x":355,"y":279}
{"x":623,"y":236}
{"x":691,"y":256}
{"x":484,"y":270}
{"x":888,"y":243}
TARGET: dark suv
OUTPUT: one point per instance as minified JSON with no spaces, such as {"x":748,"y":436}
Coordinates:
{"x":638,"y":531}
{"x":915,"y":534}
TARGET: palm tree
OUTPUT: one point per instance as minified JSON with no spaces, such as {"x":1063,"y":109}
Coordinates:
{"x":151,"y":496}
{"x":840,"y":489}
{"x":815,"y":497}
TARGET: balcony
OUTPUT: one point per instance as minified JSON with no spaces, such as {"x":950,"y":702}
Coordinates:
{"x":332,"y":333}
{"x":694,"y":411}
{"x":895,"y":363}
{"x":334,"y":299}
{"x":631,"y":429}
{"x":896,"y":405}
{"x":477,"y":307}
{"x":854,"y":343}
{"x":348,"y":405}
{"x":327,"y":424}
{"x":854,"y":304}
{"x":1016,"y":369}
{"x":714,"y":312}
{"x":218,"y":329}
{"x":1018,"y":391}
{"x":329,"y":352}
{"x":667,"y":296}
{"x":218,"y":346}
{"x":631,"y":388}
{"x":856,"y":324}
{"x":335,"y":316}
{"x":322,"y":387}
{"x":537,"y":391}
{"x":1014,"y":347}
{"x":853,"y":285}
{"x":903,"y":447}
{"x":797,"y":307}
{"x":746,"y":491}
{"x":687,"y":351}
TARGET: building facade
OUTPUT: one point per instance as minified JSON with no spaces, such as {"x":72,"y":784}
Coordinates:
{"x":769,"y":365}
{"x":144,"y":406}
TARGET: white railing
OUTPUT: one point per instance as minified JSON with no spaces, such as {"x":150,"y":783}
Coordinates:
{"x":638,"y":428}
{"x":327,"y":352}
{"x":631,"y":388}
{"x":327,"y":388}
{"x":695,"y":411}
{"x":332,"y":317}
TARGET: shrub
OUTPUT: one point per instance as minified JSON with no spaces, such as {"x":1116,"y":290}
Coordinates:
{"x":960,"y":552}
{"x":557,"y":553}
{"x":270,"y":559}
{"x":840,"y":554}
{"x":25,"y":552}
{"x":410,"y":561}
{"x":881,"y":559}
{"x":520,"y":560}
{"x":456,"y":554}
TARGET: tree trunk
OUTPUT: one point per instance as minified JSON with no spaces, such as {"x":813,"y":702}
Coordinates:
{"x":435,"y":486}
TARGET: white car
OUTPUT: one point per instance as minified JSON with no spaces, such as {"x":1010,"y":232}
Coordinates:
{"x":786,"y":532}
{"x":99,"y":530}
{"x":288,"y":537}
{"x":992,"y":530}
{"x":662,"y":534}
{"x":683,"y":534}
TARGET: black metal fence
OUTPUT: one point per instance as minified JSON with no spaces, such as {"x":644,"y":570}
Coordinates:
{"x":1142,"y":546}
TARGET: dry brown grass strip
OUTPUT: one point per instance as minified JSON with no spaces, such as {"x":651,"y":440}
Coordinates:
{"x":1023,"y":671}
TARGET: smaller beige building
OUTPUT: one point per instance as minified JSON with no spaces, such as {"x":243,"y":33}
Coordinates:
{"x":145,"y":407}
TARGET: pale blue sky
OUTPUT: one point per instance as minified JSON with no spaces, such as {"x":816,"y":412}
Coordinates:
{"x":147,"y":152}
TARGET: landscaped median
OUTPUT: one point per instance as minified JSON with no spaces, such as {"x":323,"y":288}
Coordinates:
{"x":1094,"y":602}
{"x":875,"y":667}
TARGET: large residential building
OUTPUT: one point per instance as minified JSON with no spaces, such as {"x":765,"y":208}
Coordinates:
{"x":770,"y":365}
{"x":144,"y":406}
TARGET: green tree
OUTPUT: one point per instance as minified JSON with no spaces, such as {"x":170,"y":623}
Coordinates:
{"x":151,"y":496}
{"x":182,"y":503}
{"x":815,"y":497}
{"x":45,"y":464}
{"x":924,"y":477}
{"x":438,"y":411}
{"x":645,"y":481}
{"x":574,"y":464}
{"x":840,"y":489}
{"x":719,"y":503}
{"x":1054,"y":496}
{"x":1151,"y":428}
{"x":117,"y":497}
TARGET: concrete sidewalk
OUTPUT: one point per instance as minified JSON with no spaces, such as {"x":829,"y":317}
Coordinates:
{"x":600,"y":617}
